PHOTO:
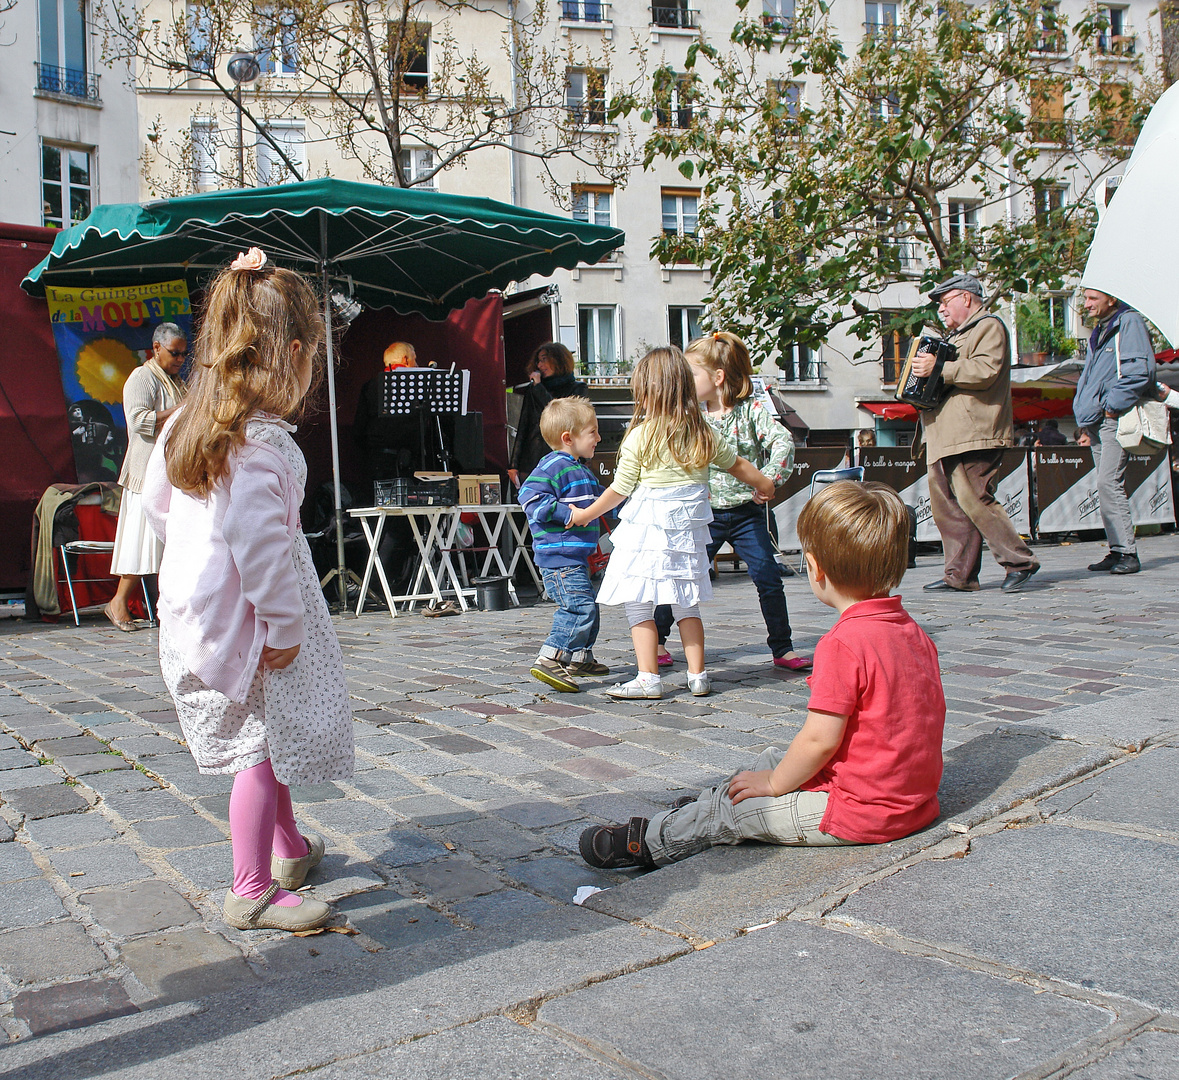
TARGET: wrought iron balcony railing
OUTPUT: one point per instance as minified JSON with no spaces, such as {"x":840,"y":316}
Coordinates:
{"x":682,"y":18}
{"x":68,"y":81}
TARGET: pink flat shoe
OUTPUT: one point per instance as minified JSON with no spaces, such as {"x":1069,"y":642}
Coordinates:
{"x":664,"y":659}
{"x":794,"y":663}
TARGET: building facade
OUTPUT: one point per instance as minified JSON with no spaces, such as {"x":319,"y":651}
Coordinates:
{"x":193,"y":127}
{"x":69,"y":137}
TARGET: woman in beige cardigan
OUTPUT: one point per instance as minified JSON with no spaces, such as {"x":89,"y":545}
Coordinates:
{"x":151,"y":394}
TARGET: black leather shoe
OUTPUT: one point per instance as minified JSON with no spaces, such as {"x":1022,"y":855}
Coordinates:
{"x":941,"y":585}
{"x":1106,"y":564}
{"x":1126,"y":564}
{"x":1016,"y":579}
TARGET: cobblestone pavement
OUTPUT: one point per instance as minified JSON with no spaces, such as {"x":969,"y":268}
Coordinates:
{"x":453,"y":849}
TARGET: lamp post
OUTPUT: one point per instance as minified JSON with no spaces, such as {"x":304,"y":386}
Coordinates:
{"x":243,"y":67}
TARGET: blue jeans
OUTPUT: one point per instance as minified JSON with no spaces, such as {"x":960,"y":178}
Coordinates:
{"x":575,"y":625}
{"x":744,"y":527}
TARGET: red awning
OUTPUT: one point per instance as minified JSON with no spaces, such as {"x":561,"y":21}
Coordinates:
{"x":1025,"y":409}
{"x":890,"y":410}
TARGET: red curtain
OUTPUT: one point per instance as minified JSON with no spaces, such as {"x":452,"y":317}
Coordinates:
{"x":33,"y":430}
{"x":471,"y":338}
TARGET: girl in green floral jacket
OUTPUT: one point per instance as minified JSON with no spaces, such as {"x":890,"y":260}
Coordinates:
{"x":724,"y":382}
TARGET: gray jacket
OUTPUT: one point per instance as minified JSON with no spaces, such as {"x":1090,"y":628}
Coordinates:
{"x":1099,"y":387}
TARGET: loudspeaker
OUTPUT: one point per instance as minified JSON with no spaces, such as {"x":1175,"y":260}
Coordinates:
{"x":464,"y":437}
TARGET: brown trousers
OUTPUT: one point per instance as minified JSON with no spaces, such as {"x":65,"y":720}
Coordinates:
{"x":962,"y":499}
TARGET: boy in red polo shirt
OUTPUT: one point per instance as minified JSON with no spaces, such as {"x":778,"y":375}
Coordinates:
{"x":866,"y":765}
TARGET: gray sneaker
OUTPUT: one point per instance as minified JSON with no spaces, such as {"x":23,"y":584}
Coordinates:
{"x":636,"y":689}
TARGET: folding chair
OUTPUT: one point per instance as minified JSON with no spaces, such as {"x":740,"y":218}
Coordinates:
{"x":823,"y":477}
{"x":93,"y":547}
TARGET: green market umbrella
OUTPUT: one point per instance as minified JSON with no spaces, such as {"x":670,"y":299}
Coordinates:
{"x":410,"y":250}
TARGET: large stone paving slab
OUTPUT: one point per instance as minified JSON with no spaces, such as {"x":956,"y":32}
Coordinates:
{"x":492,"y":1048}
{"x":1139,"y":792}
{"x":806,"y":1002}
{"x":1153,"y":1055}
{"x":1093,"y":909}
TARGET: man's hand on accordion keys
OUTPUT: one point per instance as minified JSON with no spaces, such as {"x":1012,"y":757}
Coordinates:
{"x":923,"y":364}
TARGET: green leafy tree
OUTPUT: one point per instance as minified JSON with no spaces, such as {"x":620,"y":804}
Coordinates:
{"x":809,"y":212}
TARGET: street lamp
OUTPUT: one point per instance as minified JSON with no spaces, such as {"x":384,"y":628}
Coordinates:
{"x":243,"y":67}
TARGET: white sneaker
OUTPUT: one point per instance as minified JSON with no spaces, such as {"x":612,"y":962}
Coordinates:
{"x":700,"y":685}
{"x":636,"y":688}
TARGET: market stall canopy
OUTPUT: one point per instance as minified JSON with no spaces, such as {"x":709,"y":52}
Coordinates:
{"x":410,"y":250}
{"x":1133,"y":251}
{"x":401,"y":248}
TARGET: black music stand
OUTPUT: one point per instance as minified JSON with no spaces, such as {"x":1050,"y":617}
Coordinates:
{"x":426,"y":393}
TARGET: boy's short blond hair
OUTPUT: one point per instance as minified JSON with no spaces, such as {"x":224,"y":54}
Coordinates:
{"x":571,"y":414}
{"x":858,"y":535}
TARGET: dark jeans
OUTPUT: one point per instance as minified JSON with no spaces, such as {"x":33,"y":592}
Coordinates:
{"x":575,"y":625}
{"x":744,"y":527}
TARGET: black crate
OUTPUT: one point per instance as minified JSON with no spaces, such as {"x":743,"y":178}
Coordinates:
{"x":410,"y":491}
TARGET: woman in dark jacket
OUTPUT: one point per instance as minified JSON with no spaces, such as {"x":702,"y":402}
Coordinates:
{"x":550,"y":373}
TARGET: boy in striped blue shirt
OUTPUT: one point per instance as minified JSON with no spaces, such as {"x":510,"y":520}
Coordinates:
{"x":558,"y":483}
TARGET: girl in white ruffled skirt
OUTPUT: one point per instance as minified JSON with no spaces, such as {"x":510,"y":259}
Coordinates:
{"x":659,"y":554}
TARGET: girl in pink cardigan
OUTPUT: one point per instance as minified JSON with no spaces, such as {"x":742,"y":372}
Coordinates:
{"x":247,"y":646}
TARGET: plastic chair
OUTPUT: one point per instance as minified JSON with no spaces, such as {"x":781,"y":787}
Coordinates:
{"x":823,"y":477}
{"x":93,"y":547}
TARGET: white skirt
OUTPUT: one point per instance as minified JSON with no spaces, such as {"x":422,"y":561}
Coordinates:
{"x":660,"y":548}
{"x":138,"y":550}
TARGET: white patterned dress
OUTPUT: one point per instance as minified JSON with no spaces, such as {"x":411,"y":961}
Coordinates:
{"x":299,"y":717}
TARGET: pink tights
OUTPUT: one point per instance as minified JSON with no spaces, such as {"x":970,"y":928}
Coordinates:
{"x":261,"y":820}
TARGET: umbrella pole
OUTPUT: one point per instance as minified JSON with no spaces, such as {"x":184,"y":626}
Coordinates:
{"x":341,"y":570}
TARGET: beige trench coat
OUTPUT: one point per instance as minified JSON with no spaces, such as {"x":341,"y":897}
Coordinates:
{"x":977,"y":413}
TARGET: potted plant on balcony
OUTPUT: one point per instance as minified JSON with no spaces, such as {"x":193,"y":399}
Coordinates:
{"x":1061,"y":345}
{"x":1033,"y":327}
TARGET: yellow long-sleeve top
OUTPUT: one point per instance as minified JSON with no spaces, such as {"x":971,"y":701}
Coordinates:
{"x":663,"y":471}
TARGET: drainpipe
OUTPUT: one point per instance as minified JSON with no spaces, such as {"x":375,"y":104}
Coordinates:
{"x":513,"y":197}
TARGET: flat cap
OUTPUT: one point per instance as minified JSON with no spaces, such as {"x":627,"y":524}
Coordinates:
{"x":966,"y":282}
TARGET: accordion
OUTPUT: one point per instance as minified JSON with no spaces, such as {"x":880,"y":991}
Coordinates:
{"x":928,"y":392}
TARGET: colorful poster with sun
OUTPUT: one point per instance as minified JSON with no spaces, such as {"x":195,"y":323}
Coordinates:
{"x":102,"y":336}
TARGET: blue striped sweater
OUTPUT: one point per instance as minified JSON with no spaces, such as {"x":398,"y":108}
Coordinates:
{"x":558,"y":483}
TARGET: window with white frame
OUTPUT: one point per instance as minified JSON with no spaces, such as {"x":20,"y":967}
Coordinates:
{"x":962,"y":221}
{"x":290,"y":135}
{"x":67,"y":184}
{"x":1051,"y":38}
{"x":778,"y":14}
{"x":598,"y":338}
{"x":884,"y":107}
{"x":275,"y":42}
{"x":1057,"y":307}
{"x":585,"y":11}
{"x":1049,"y":199}
{"x":674,"y":95}
{"x":414,"y":58}
{"x":798,"y":364}
{"x":787,"y":96}
{"x":585,"y":95}
{"x":1116,"y":39}
{"x":593,"y":203}
{"x":206,"y":146}
{"x":681,"y":211}
{"x":63,"y":34}
{"x":417,"y":163}
{"x":198,"y":21}
{"x":683,"y":325}
{"x":879,"y":19}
